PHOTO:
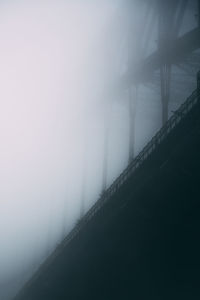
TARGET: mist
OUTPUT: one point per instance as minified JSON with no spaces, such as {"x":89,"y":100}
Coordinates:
{"x":47,"y":57}
{"x":59,"y":60}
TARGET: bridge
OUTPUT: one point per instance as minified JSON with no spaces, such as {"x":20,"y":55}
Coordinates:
{"x":141,"y":238}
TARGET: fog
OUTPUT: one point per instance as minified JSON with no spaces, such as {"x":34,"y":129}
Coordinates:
{"x":57,"y":62}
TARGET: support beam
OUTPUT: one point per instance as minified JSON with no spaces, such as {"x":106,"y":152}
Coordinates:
{"x":105,"y":161}
{"x":133,"y":97}
{"x":165,"y":78}
{"x":84,"y":171}
{"x":106,"y":146}
{"x":167,"y":31}
{"x":63,"y":220}
{"x":83,"y":189}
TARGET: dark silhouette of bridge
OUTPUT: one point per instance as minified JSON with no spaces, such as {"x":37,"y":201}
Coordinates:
{"x":141,"y":238}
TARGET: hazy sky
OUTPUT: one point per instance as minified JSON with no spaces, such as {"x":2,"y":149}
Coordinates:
{"x":46,"y":56}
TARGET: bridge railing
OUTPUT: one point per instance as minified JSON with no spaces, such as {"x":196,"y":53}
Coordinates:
{"x":174,"y":120}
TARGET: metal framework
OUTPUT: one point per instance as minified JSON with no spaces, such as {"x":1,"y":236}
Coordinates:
{"x":192,"y":101}
{"x":171,"y":49}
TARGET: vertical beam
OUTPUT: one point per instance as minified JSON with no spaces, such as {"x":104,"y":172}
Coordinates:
{"x":107,"y":117}
{"x":63,"y":221}
{"x":169,"y":26}
{"x":85,"y":147}
{"x":48,"y":244}
{"x":83,"y":188}
{"x":105,"y":156}
{"x":165,"y":78}
{"x":133,"y":95}
{"x":166,"y":27}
